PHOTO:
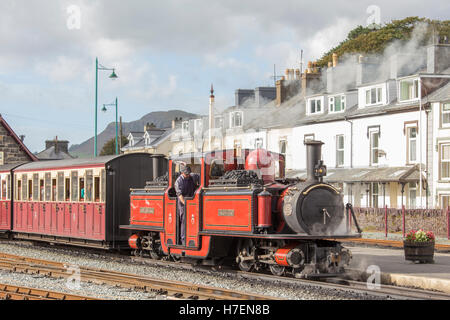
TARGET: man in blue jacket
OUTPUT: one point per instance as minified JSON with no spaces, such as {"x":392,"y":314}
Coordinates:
{"x":185,"y":187}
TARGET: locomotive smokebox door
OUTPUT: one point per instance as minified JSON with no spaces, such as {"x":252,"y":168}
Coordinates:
{"x":321,"y":210}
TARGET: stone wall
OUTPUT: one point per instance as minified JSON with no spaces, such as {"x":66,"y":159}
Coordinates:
{"x":12,"y":151}
{"x":373,"y":220}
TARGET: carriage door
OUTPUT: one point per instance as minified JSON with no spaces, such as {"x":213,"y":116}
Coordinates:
{"x":192,"y":220}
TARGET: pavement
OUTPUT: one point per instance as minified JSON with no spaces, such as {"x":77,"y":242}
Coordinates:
{"x":395,"y":270}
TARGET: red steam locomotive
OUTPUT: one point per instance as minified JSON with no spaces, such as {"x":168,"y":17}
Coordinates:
{"x":244,"y":211}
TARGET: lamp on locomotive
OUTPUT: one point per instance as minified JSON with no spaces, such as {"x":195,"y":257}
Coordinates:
{"x":262,"y":162}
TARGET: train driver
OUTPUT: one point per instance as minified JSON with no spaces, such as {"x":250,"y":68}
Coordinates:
{"x":185,"y":186}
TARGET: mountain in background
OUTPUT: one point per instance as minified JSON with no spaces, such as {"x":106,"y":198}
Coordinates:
{"x":367,"y":40}
{"x":161,"y":119}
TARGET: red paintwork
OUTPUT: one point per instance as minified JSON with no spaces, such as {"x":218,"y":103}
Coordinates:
{"x":281,"y":254}
{"x":192,"y":221}
{"x":214,"y":213}
{"x":261,"y":160}
{"x":95,"y":165}
{"x":264,"y":210}
{"x":133,"y":241}
{"x":64,"y":219}
{"x":238,"y":218}
{"x":202,"y":252}
{"x":5,"y":215}
{"x":140,"y":210}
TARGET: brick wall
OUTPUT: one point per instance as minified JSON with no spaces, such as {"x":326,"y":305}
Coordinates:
{"x":12,"y":152}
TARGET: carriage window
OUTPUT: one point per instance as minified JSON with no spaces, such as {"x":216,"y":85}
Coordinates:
{"x":19,"y":190}
{"x":48,"y":186}
{"x":82,"y":190}
{"x":67,"y":187}
{"x":53,"y":189}
{"x":88,"y":187}
{"x":97,"y":189}
{"x":103,"y":186}
{"x":8,"y":187}
{"x":35,"y":187}
{"x":60,"y":186}
{"x":41,"y":190}
{"x":74,"y":176}
{"x":3,"y":189}
{"x":30,"y":190}
{"x":24,"y":187}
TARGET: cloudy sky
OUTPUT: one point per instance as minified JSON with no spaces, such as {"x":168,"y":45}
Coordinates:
{"x":166,"y":53}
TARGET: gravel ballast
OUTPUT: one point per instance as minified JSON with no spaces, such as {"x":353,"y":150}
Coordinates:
{"x":80,"y":257}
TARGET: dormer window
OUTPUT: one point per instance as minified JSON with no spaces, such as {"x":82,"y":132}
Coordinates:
{"x":236,"y":119}
{"x":337,"y":103}
{"x":130,"y":140}
{"x":185,"y":127}
{"x":409,"y":89}
{"x":315,"y":105}
{"x":147,"y":139}
{"x":374,"y":96}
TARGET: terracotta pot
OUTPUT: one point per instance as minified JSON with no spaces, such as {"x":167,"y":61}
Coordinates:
{"x":422,"y":252}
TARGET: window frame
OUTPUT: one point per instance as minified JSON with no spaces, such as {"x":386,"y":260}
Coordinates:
{"x":372,"y":133}
{"x":416,"y":87}
{"x":408,"y":144}
{"x":338,"y":150}
{"x":185,"y":127}
{"x":332,"y":103}
{"x":233,"y":119}
{"x":441,"y":145}
{"x":280,"y":143}
{"x":312,"y":135}
{"x":315,"y":99}
{"x":378,"y":96}
{"x":260,"y":142}
{"x":374,"y":195}
{"x":442,"y":113}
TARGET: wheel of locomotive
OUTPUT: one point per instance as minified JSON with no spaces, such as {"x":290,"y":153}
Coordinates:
{"x":175,"y":258}
{"x":246,"y":250}
{"x":277,"y":270}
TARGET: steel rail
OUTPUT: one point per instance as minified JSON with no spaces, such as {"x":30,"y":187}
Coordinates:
{"x":338,"y":283}
{"x":14,"y":292}
{"x":172,"y":289}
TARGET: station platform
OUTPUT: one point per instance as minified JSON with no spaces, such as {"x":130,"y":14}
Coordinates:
{"x":395,"y":270}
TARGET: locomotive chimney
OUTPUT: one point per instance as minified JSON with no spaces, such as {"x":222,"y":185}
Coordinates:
{"x":313,"y":156}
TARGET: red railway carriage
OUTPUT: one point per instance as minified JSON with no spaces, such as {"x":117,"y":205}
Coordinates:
{"x":6,"y":190}
{"x":244,"y":209}
{"x":77,"y":201}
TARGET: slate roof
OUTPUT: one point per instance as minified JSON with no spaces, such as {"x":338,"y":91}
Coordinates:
{"x":371,"y":174}
{"x":50,"y":154}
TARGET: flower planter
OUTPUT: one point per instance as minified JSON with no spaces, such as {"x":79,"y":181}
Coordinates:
{"x":422,"y":252}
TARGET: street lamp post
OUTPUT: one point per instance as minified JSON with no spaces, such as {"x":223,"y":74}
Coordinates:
{"x":117,"y":129}
{"x":112,"y":76}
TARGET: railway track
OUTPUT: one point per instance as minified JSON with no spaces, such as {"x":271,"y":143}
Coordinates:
{"x":12,"y":292}
{"x":163,"y":288}
{"x":336,"y":283}
{"x":344,"y":284}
